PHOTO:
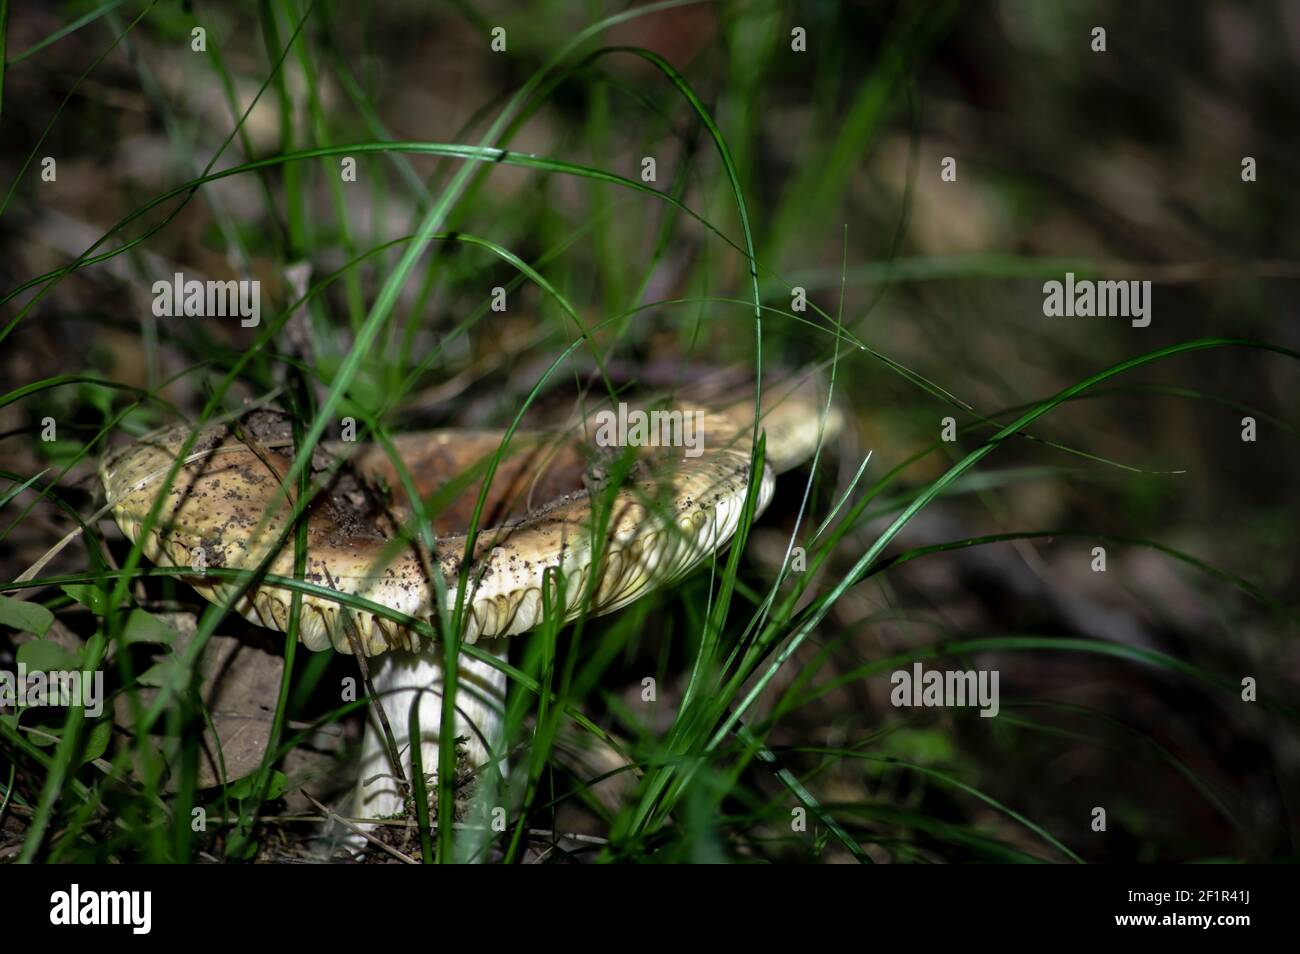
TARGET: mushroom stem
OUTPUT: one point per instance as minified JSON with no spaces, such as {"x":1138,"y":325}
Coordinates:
{"x":402,"y":679}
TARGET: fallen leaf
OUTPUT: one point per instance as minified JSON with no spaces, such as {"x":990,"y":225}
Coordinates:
{"x":240,"y":682}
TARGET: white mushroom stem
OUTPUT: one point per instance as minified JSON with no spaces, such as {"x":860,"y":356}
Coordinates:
{"x":402,"y":679}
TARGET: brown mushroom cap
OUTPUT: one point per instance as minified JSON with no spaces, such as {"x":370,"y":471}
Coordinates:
{"x":227,"y":506}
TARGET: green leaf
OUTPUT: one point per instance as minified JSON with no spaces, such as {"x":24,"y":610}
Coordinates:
{"x":920,"y":746}
{"x":62,"y":453}
{"x":143,"y":627}
{"x":41,"y":655}
{"x":98,"y":396}
{"x":275,"y":787}
{"x":171,"y":672}
{"x":47,"y":736}
{"x":28,"y":617}
{"x":97,"y":740}
{"x":86,"y":595}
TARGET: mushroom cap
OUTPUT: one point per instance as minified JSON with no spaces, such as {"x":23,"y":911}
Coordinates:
{"x":227,"y":507}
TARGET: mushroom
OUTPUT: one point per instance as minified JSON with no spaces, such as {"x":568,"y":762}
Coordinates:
{"x":228,"y":506}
